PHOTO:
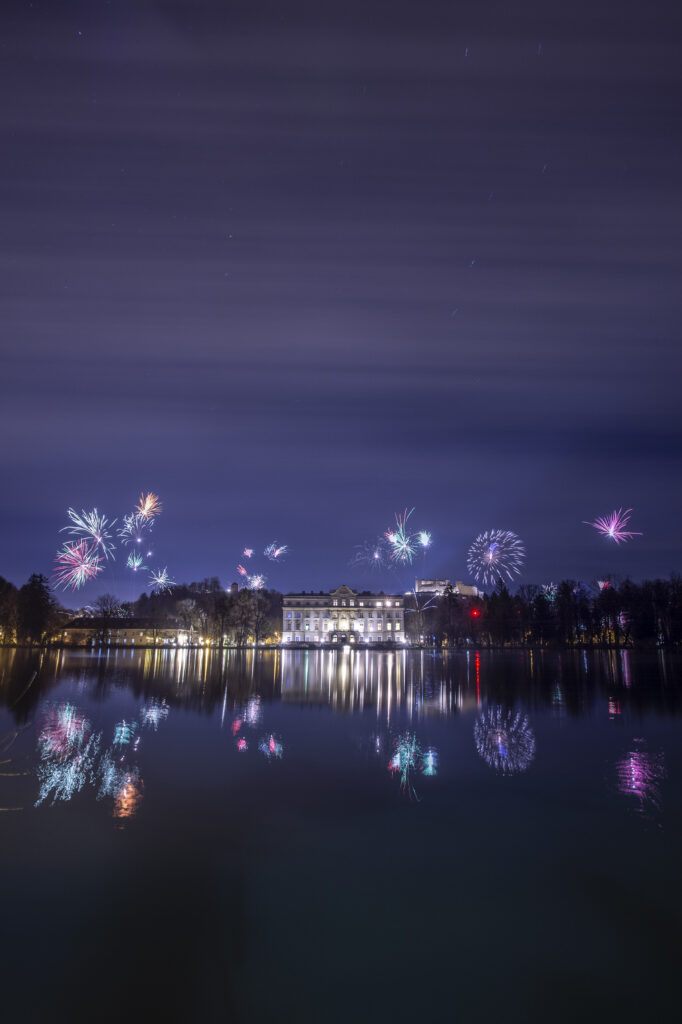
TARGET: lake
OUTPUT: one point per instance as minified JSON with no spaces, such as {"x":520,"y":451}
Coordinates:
{"x":328,"y":836}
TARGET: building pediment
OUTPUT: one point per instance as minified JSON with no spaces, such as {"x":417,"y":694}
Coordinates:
{"x":343,"y":591}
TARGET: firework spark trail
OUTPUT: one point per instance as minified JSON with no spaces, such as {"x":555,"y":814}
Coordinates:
{"x":256,"y":581}
{"x":613,"y":526}
{"x":76,"y":564}
{"x":149,"y":506}
{"x":247,"y":553}
{"x":160,"y":581}
{"x":550,"y":591}
{"x":133,"y":528}
{"x":135,"y":561}
{"x":403,"y":545}
{"x":372,"y":554}
{"x":494,"y":554}
{"x":93,"y":526}
{"x":274,"y":551}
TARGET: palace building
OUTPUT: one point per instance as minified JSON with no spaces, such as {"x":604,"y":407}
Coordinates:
{"x":343,"y":616}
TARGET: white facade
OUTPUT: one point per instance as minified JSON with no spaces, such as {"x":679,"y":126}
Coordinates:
{"x":343,"y":617}
{"x":439,"y":587}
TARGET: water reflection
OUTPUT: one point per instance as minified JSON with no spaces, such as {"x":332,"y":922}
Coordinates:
{"x":409,"y":758}
{"x":639,"y":775}
{"x":155,"y":712}
{"x":504,"y":740}
{"x":271,"y":747}
{"x":68,"y":751}
{"x":70,"y":758}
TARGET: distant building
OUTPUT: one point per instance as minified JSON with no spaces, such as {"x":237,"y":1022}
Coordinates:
{"x":92,"y":632}
{"x":438,"y":588}
{"x":343,"y":616}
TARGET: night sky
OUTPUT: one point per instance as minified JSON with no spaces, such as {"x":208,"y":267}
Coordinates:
{"x":296,"y":266}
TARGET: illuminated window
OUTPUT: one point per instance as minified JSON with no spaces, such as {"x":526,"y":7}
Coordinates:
{"x":351,"y":603}
{"x":388,"y":625}
{"x":361,"y":603}
{"x":397,"y":626}
{"x":378,"y":626}
{"x":335,"y":602}
{"x":397,"y":604}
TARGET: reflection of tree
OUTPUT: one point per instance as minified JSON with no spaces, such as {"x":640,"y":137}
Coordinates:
{"x":640,"y":774}
{"x":504,"y":740}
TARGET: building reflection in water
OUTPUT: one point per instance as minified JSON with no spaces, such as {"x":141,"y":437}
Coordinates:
{"x":504,"y":740}
{"x":391,"y":682}
{"x":639,"y":775}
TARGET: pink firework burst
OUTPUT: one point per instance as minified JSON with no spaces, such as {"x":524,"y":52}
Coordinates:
{"x":77,"y":563}
{"x":614,"y":525}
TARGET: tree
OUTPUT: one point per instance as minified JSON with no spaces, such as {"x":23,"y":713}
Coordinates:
{"x":34,"y":610}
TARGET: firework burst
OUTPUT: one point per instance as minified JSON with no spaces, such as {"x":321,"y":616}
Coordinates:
{"x":403,"y":544}
{"x":550,"y":591}
{"x":274,"y":551}
{"x":494,"y":555}
{"x":256,"y":581}
{"x":372,"y":554}
{"x":149,"y":506}
{"x":77,"y":563}
{"x":135,"y":561}
{"x":160,"y":581}
{"x":132,"y":531}
{"x":92,"y":526}
{"x":614,"y":525}
{"x":247,"y":553}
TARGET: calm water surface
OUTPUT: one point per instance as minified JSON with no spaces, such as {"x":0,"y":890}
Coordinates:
{"x":313,"y":836}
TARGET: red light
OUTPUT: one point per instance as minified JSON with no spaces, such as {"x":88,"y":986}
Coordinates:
{"x":475,"y":613}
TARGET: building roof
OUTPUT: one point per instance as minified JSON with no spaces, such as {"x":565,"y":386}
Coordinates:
{"x":84,"y":622}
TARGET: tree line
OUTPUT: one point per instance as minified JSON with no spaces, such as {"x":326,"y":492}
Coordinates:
{"x":571,"y":614}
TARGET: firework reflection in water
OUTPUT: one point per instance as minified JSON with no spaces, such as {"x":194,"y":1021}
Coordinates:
{"x":640,"y":774}
{"x":271,"y":747}
{"x":154,"y":712}
{"x":67,"y":754}
{"x":504,"y":740}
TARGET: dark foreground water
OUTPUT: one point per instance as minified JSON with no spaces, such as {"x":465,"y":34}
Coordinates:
{"x":340,"y":837}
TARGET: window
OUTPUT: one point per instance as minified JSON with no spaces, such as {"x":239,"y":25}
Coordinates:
{"x":378,"y":627}
{"x":343,"y":604}
{"x":288,"y":615}
{"x":335,"y":602}
{"x":397,"y":604}
{"x":351,"y":603}
{"x":388,"y":625}
{"x":397,"y":627}
{"x":378,"y":604}
{"x":298,"y":639}
{"x":361,"y":603}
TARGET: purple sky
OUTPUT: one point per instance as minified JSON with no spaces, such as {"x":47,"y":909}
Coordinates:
{"x":295,"y":270}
